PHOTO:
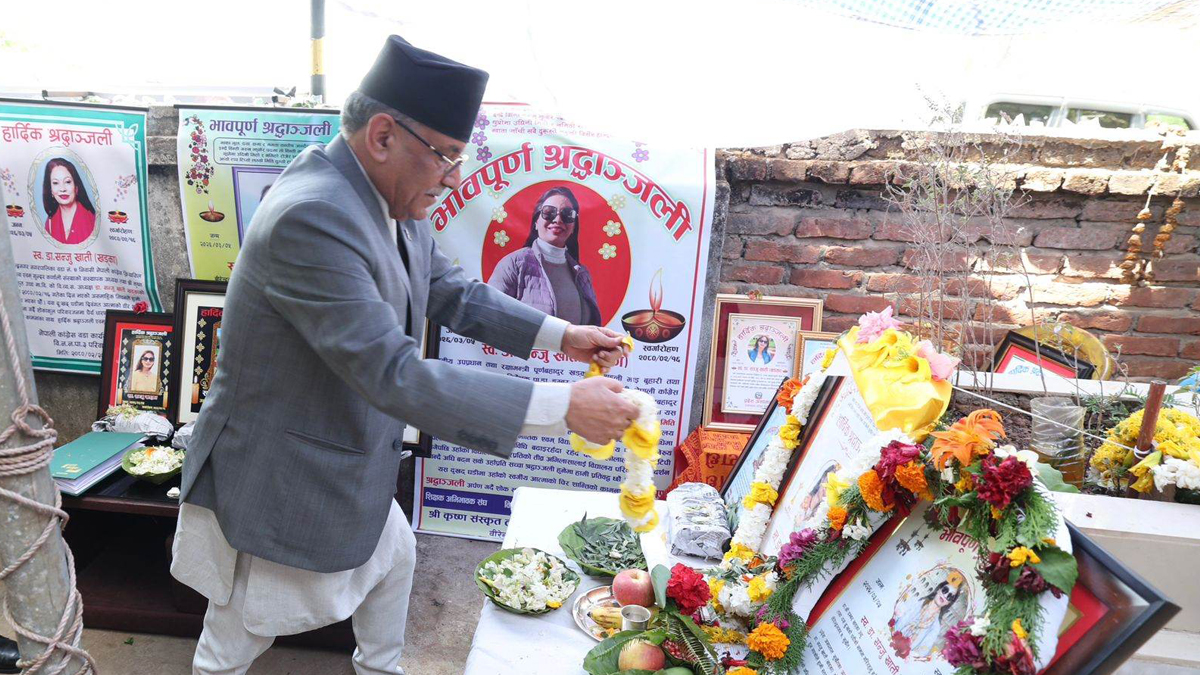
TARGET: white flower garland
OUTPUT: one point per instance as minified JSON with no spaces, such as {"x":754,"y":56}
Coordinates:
{"x":639,"y":476}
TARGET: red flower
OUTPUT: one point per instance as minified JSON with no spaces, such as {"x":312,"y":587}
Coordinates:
{"x":901,"y":644}
{"x":1017,"y":660}
{"x":688,"y":589}
{"x":962,"y":648}
{"x":995,"y":567}
{"x":141,"y":306}
{"x":1001,"y":482}
{"x":895,"y":455}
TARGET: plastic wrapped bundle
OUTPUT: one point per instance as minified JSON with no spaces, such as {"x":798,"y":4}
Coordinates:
{"x":128,"y":420}
{"x":699,"y":524}
{"x":183,"y":436}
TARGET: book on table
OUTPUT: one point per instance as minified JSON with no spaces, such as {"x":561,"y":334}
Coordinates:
{"x":87,"y":460}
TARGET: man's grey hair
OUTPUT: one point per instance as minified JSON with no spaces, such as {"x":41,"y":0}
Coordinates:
{"x":359,"y":108}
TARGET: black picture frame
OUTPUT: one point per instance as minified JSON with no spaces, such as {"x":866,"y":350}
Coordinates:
{"x":430,"y":349}
{"x":1136,"y":611}
{"x":111,"y":364}
{"x":180,"y":412}
{"x":1059,"y":362}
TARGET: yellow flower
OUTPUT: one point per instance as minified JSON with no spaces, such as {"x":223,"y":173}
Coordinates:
{"x":769,"y":641}
{"x":741,"y":670}
{"x":790,"y":433}
{"x":830,"y":355}
{"x":715,"y":586}
{"x":965,"y":484}
{"x":1019,"y":629}
{"x":760,"y":493}
{"x":598,"y":452}
{"x":1145,"y":479}
{"x":834,"y":487}
{"x":643,"y":442}
{"x":759,"y":591}
{"x":724,"y":636}
{"x":1021,"y":555}
{"x":636,"y":506}
{"x":740,"y":552}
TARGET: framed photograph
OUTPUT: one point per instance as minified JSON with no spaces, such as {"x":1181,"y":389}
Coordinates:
{"x":419,"y":443}
{"x":737,"y":484}
{"x":139,"y":352}
{"x":756,"y":342}
{"x":1020,"y":355}
{"x":813,"y":345}
{"x":880,"y":596}
{"x":839,"y":426}
{"x":199,"y":306}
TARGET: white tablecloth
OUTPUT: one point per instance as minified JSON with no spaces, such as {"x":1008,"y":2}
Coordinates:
{"x":551,"y":644}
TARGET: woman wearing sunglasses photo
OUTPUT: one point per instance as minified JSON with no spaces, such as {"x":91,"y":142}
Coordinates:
{"x":545,"y":273}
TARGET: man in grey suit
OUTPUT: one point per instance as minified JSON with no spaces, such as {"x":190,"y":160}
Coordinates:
{"x":288,"y":521}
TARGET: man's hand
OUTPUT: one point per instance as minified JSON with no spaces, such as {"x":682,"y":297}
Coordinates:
{"x":597,"y":410}
{"x":588,"y":344}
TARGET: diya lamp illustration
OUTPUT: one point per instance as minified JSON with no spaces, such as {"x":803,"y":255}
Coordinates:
{"x":655,"y":324}
{"x":118,"y":217}
{"x":14,"y":211}
{"x":212,"y":215}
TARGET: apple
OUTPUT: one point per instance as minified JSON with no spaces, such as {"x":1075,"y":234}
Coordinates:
{"x":633,"y":587}
{"x":641,"y":655}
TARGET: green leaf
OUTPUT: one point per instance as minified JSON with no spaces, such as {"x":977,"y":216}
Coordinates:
{"x":589,"y":541}
{"x":1058,"y":568}
{"x":602,"y":660}
{"x":659,"y":577}
{"x":1053,"y":479}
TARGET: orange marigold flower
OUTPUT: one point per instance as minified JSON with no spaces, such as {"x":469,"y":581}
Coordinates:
{"x":970,"y":437}
{"x":837,"y":517}
{"x":769,"y":641}
{"x":871,"y":486}
{"x":965,"y":484}
{"x":911,"y":477}
{"x":787,"y":393}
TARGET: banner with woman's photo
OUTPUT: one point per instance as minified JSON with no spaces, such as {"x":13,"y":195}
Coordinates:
{"x":594,"y":230}
{"x":228,"y":160}
{"x":73,"y":179}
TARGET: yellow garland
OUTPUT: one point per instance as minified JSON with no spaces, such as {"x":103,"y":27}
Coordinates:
{"x":760,"y":493}
{"x":740,"y":552}
{"x":636,"y":506}
{"x":583,"y":446}
{"x":642,"y":442}
{"x":758,"y":590}
{"x":1177,"y":434}
{"x":1021,"y":555}
{"x":830,"y":355}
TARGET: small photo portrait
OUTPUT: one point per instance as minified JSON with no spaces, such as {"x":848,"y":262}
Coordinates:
{"x":928,"y":606}
{"x":64,"y":199}
{"x":815,"y":494}
{"x":145,"y":368}
{"x":762,"y":350}
{"x":250,"y":188}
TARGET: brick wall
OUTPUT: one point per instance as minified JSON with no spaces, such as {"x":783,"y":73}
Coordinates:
{"x":810,"y":220}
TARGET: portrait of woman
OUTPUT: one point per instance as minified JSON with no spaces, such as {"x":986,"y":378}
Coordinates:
{"x":762,"y":350}
{"x":815,"y":495}
{"x":545,"y":273}
{"x":144,"y":378}
{"x":921,"y":620}
{"x":70,"y":215}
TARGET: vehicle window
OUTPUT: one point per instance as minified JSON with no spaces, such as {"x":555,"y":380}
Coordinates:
{"x":1167,"y":120}
{"x":1029,"y":115}
{"x":1107,"y":119}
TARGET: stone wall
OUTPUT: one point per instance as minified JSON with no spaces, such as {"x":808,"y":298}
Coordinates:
{"x":811,"y":220}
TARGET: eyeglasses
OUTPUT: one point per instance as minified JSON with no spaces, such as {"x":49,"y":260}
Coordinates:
{"x":452,"y":164}
{"x":569,"y":215}
{"x":147,"y":358}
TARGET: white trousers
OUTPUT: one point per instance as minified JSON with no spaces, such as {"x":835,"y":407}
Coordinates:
{"x":226,"y":647}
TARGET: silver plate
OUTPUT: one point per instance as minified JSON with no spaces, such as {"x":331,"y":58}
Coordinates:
{"x":601,"y":596}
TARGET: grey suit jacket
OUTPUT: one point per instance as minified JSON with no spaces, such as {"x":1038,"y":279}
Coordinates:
{"x":298,"y":445}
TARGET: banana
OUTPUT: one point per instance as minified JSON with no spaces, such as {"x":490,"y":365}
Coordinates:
{"x":608,"y":617}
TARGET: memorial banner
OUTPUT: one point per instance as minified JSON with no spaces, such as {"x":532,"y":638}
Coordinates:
{"x":228,"y":160}
{"x":74,"y":186}
{"x":634,"y":220}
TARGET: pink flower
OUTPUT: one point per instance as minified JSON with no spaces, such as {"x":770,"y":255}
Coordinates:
{"x":873,"y":324}
{"x":940,"y":365}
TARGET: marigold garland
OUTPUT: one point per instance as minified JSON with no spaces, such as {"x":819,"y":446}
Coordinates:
{"x":837,"y":517}
{"x":911,"y":477}
{"x":768,"y":640}
{"x":1174,"y":461}
{"x":871,"y":486}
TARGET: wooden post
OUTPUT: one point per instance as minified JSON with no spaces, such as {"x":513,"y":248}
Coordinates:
{"x":37,"y":592}
{"x":1145,"y":441}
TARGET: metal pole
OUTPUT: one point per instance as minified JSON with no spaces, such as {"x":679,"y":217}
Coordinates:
{"x":38,"y":590}
{"x":318,"y":48}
